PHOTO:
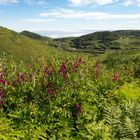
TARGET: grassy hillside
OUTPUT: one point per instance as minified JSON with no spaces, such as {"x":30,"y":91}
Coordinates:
{"x":100,"y":42}
{"x":134,"y":33}
{"x":97,"y":43}
{"x":62,"y":43}
{"x":21,"y":46}
{"x":27,"y":44}
{"x":36,"y":36}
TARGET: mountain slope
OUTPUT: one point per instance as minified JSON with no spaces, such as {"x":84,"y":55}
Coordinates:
{"x":134,"y":33}
{"x":36,"y":36}
{"x":99,"y":42}
{"x":27,"y":44}
{"x":22,"y":46}
{"x":63,"y":43}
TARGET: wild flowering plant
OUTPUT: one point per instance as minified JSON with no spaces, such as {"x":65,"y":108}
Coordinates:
{"x":77,"y":109}
{"x":56,"y":79}
{"x":115,"y":76}
{"x":63,"y":97}
{"x":2,"y":78}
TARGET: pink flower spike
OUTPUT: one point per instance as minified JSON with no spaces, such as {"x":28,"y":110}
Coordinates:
{"x":77,"y":63}
{"x":115,"y":77}
{"x":62,"y":69}
{"x":2,"y":75}
{"x":47,"y":70}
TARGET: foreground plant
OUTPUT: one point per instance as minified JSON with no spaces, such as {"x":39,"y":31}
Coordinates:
{"x":66,"y":99}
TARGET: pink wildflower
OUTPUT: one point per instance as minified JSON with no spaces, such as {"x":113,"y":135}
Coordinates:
{"x":77,"y":63}
{"x":115,"y":77}
{"x":47,"y":70}
{"x":49,"y":88}
{"x":62,"y":69}
{"x":4,"y":82}
{"x":2,"y":75}
{"x":77,"y":109}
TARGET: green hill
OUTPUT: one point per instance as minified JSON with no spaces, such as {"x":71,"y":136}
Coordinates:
{"x":99,"y":42}
{"x":63,"y":43}
{"x":134,"y":33}
{"x":21,"y":46}
{"x":36,"y":36}
{"x":27,"y":44}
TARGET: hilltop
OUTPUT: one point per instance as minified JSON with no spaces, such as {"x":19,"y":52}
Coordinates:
{"x":36,"y":36}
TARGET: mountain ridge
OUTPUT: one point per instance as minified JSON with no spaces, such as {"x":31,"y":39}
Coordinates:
{"x":26,"y":43}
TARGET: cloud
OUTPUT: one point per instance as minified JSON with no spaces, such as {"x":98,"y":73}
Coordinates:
{"x":127,"y":3}
{"x":59,"y":32}
{"x":29,"y":2}
{"x":36,"y":2}
{"x":75,"y":14}
{"x":78,"y":31}
{"x":8,"y":1}
{"x":87,"y":2}
{"x":131,"y":2}
{"x":36,"y":20}
{"x":76,"y":2}
{"x":104,"y":2}
{"x":59,"y":13}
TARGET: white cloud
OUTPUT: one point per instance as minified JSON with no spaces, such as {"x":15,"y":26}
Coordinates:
{"x":127,"y":2}
{"x":59,"y":13}
{"x":35,"y":2}
{"x":131,"y":2}
{"x":104,"y":2}
{"x":36,"y":20}
{"x":8,"y":1}
{"x":78,"y":31}
{"x":87,"y":2}
{"x":59,"y":32}
{"x":77,"y":2}
{"x":74,"y":14}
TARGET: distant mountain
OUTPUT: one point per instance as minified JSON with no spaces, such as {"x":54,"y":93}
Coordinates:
{"x":134,"y":33}
{"x":27,"y":44}
{"x":99,"y":42}
{"x":35,"y":36}
{"x":24,"y":47}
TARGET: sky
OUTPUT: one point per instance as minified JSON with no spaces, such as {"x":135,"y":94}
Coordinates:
{"x":62,"y":18}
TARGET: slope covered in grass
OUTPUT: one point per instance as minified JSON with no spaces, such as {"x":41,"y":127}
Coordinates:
{"x":35,"y":36}
{"x":100,"y":42}
{"x":26,"y":44}
{"x":24,"y":47}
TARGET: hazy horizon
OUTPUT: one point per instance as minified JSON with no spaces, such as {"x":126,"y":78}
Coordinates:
{"x":48,"y":33}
